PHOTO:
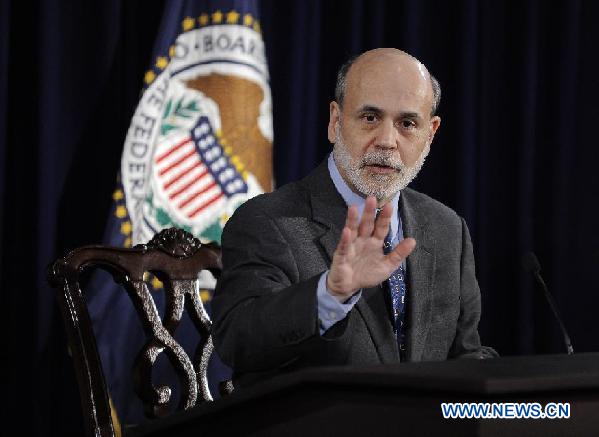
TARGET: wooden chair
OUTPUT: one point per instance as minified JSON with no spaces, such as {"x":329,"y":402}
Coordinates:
{"x":175,"y":257}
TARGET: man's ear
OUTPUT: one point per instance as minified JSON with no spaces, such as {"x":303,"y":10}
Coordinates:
{"x":334,"y":120}
{"x":434,"y":125}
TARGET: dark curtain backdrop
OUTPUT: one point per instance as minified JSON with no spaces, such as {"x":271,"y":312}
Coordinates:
{"x":516,"y":153}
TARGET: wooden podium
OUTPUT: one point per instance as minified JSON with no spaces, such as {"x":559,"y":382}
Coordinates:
{"x":404,"y":400}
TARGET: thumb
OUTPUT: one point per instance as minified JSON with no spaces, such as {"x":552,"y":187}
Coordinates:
{"x":402,"y":250}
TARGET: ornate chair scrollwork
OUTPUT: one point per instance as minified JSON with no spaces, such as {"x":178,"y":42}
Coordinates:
{"x":175,"y":257}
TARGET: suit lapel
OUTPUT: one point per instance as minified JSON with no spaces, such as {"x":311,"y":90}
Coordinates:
{"x":329,"y":240}
{"x":375,"y":312}
{"x":420,"y":273}
{"x":328,"y":207}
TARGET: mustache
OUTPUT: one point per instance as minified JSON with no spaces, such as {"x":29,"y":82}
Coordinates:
{"x":381,"y":158}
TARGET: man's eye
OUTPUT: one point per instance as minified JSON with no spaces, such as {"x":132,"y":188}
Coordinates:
{"x":408,"y":124}
{"x":370,"y":118}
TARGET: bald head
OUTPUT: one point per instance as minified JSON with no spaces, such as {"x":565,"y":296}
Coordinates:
{"x":405,"y":65}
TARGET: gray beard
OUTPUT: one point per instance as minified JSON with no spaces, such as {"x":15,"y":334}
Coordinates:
{"x":381,"y":186}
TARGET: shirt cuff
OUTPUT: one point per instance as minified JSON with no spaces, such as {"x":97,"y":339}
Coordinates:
{"x":330,"y":311}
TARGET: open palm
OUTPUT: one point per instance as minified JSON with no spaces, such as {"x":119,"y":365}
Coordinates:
{"x":359,"y":261}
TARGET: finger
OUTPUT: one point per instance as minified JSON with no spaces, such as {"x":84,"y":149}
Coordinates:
{"x":381,"y":227}
{"x":351,"y":222}
{"x":367,"y":222}
{"x":401,"y":251}
{"x":344,"y":244}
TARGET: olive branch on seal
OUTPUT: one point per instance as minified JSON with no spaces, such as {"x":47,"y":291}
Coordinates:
{"x":173,"y":112}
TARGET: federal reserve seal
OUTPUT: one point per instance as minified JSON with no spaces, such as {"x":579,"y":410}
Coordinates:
{"x":200,"y":142}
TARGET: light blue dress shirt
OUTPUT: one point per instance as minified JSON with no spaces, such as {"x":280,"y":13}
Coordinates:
{"x":330,"y":311}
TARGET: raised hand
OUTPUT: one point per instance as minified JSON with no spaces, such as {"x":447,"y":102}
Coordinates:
{"x":359,"y":261}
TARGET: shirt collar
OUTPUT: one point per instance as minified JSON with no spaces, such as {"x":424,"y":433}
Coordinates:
{"x":352,"y":198}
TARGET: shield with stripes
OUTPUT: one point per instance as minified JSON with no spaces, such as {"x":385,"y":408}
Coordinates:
{"x":194,"y":175}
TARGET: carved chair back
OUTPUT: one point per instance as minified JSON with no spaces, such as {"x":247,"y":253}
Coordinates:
{"x":175,"y":257}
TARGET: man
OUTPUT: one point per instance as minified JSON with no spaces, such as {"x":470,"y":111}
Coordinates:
{"x":347,"y":266}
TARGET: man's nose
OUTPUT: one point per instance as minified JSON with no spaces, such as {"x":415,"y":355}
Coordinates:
{"x":387,"y":135}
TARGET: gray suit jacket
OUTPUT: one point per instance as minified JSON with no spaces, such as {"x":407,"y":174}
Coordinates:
{"x":276,"y":246}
